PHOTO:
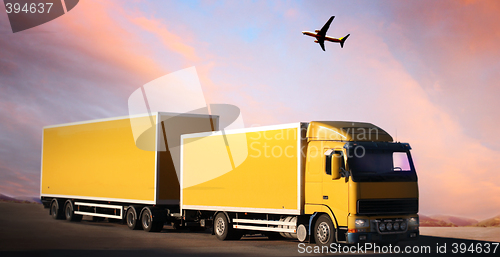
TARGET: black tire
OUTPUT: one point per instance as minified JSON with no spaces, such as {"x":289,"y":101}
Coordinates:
{"x":132,"y":219}
{"x":69,"y":212}
{"x":324,"y":231}
{"x":223,"y":230}
{"x":152,"y":220}
{"x":55,"y":210}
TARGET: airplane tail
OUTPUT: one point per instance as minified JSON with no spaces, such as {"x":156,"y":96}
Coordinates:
{"x":342,"y":40}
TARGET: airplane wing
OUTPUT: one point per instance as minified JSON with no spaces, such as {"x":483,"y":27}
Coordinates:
{"x":322,"y":44}
{"x":325,"y":28}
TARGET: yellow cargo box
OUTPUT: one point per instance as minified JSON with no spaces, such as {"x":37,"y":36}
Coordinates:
{"x":257,"y":170}
{"x":124,"y":159}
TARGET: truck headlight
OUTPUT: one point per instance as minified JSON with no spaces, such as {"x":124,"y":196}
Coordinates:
{"x":381,"y":226}
{"x":413,"y":221}
{"x":361,"y":223}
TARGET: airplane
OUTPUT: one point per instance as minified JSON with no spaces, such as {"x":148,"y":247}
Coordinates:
{"x":321,"y":36}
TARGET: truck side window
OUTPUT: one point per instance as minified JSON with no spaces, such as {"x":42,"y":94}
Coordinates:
{"x":328,"y":164}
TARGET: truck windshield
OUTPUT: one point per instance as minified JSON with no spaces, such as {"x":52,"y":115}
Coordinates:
{"x":377,"y":165}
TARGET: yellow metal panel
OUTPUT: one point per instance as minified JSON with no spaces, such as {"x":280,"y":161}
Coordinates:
{"x":268,"y":178}
{"x":346,"y":131}
{"x":378,"y":190}
{"x":98,"y":159}
{"x":320,"y":187}
{"x":318,"y":208}
{"x":314,"y":173}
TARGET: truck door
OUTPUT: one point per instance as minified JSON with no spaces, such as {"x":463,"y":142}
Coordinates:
{"x":335,"y":191}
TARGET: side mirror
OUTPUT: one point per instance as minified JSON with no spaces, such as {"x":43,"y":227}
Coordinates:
{"x":335,"y":172}
{"x":334,"y":164}
{"x":337,"y":164}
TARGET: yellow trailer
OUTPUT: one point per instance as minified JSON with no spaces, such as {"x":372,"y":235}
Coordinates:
{"x":247,"y":170}
{"x":101,"y":167}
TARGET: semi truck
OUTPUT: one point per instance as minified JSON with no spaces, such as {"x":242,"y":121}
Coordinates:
{"x":319,"y":182}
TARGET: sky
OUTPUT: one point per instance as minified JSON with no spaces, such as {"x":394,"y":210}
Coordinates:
{"x":425,"y":71}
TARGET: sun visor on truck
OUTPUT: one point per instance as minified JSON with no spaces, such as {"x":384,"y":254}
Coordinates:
{"x":379,"y":145}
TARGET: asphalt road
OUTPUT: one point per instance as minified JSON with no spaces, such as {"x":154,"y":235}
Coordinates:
{"x":28,"y":230}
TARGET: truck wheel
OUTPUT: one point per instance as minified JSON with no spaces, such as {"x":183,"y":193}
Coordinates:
{"x":69,"y":212}
{"x":324,"y":232}
{"x":132,"y":219}
{"x":151,"y":221}
{"x":55,"y":211}
{"x":223,"y":230}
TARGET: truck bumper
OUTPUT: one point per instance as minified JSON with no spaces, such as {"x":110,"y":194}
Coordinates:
{"x":374,"y":237}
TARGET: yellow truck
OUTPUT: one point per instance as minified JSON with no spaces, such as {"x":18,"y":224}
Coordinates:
{"x":319,"y":181}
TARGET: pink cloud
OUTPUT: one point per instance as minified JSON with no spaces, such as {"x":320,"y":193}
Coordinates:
{"x":107,"y":39}
{"x":453,"y":50}
{"x":171,"y":41}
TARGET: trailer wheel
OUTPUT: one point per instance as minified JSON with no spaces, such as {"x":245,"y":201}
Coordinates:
{"x":69,"y":212}
{"x":132,"y":219}
{"x":223,"y":229}
{"x":324,"y":232}
{"x":55,"y":210}
{"x":151,"y":220}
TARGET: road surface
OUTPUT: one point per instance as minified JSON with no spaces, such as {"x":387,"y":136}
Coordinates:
{"x":28,"y":230}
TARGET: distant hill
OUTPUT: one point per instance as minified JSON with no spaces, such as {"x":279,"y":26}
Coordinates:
{"x":458,"y":221}
{"x":7,"y":198}
{"x":453,"y":221}
{"x":426,"y":221}
{"x":23,"y":199}
{"x":29,"y":199}
{"x":491,"y":222}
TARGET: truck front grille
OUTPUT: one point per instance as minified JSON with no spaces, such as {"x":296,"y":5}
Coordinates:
{"x":387,"y":206}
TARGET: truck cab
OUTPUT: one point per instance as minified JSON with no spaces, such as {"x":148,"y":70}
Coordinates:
{"x":360,"y":185}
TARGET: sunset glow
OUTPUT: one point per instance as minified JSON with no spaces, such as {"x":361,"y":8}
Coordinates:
{"x":424,"y":71}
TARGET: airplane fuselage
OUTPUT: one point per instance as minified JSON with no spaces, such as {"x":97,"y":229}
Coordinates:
{"x":315,"y":35}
